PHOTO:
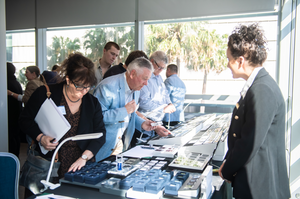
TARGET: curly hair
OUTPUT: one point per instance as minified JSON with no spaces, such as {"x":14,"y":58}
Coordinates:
{"x":79,"y":68}
{"x":250,"y":43}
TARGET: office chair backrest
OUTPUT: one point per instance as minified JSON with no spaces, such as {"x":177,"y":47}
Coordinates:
{"x":9,"y":175}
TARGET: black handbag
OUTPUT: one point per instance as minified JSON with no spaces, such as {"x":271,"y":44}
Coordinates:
{"x":36,"y":167}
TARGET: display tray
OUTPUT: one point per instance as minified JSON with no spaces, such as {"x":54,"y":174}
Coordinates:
{"x":192,"y":161}
{"x":96,"y":186}
{"x":166,"y":151}
{"x":111,"y":186}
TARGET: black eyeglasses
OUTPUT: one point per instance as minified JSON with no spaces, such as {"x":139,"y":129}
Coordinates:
{"x":160,"y":68}
{"x":81,"y":88}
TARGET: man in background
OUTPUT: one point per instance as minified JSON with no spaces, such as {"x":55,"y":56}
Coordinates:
{"x":177,"y":90}
{"x":154,"y":99}
{"x":121,"y":68}
{"x":110,"y":53}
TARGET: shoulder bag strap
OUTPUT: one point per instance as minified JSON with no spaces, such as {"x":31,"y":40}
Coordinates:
{"x":48,"y":93}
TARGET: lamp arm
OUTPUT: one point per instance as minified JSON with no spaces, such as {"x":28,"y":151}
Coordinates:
{"x":53,"y":157}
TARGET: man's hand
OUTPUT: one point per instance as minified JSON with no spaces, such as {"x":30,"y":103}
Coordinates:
{"x":147,"y":126}
{"x":169,"y":109}
{"x":162,"y":131}
{"x":130,"y":106}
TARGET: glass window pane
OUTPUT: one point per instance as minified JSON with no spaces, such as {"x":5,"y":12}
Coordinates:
{"x":198,"y":45}
{"x":20,"y":50}
{"x":88,"y":41}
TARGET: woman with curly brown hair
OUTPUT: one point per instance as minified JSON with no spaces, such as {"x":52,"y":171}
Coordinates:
{"x":255,"y":163}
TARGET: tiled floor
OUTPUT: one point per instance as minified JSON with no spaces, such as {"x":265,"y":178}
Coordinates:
{"x":22,"y":158}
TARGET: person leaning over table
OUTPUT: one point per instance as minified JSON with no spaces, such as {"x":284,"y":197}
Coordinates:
{"x":255,"y":162}
{"x":82,"y":110}
{"x":154,"y":95}
{"x":118,"y":95}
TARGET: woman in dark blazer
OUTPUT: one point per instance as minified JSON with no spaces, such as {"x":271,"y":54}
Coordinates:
{"x":255,"y":163}
{"x":82,"y":110}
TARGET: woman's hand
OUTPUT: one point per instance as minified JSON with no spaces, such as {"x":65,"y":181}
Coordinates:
{"x":77,"y":165}
{"x":47,"y":142}
{"x":80,"y":162}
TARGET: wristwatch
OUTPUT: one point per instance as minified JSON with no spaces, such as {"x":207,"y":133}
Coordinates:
{"x":84,"y":157}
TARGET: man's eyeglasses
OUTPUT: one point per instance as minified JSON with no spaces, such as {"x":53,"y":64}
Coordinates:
{"x":81,"y":88}
{"x":159,"y":68}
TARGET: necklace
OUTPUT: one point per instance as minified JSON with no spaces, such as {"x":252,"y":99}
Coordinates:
{"x":68,"y":96}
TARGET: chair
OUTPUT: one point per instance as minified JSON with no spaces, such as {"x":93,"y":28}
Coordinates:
{"x":9,"y":175}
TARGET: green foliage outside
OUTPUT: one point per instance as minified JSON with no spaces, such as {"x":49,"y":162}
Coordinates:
{"x":191,"y":44}
{"x":60,"y":49}
{"x":22,"y":78}
{"x":93,"y":43}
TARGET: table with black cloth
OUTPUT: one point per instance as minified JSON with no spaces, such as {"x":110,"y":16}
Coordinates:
{"x":83,"y":192}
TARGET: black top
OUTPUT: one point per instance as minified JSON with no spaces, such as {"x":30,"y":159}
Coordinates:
{"x":14,"y":106}
{"x":91,"y":118}
{"x":51,"y":77}
{"x":114,"y":70}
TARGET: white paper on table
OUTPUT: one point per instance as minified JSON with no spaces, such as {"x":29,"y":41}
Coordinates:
{"x":51,"y":122}
{"x":139,"y":152}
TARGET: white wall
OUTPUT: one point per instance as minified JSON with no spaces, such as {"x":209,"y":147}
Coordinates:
{"x":3,"y":83}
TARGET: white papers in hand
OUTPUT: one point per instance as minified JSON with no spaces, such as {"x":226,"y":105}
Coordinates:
{"x":51,"y":121}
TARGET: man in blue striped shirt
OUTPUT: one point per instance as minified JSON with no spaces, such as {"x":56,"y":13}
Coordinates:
{"x":154,"y":99}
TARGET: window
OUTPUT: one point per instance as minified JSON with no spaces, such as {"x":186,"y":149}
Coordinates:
{"x":191,"y":44}
{"x":89,"y":41}
{"x":20,"y":50}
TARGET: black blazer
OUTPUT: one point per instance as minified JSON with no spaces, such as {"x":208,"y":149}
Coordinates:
{"x":255,"y":161}
{"x":91,"y":119}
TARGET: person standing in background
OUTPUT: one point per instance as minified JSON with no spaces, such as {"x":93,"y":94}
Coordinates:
{"x":35,"y":80}
{"x":14,"y":109}
{"x":255,"y":163}
{"x":121,"y":68}
{"x":52,"y":77}
{"x":177,"y":90}
{"x":110,"y":53}
{"x":155,"y":95}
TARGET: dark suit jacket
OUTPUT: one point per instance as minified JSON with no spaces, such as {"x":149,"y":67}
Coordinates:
{"x":91,"y":119}
{"x":255,"y":161}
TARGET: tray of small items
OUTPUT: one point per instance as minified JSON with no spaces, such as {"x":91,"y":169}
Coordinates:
{"x":193,"y":161}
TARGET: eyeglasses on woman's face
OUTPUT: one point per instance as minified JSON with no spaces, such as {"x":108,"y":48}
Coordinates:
{"x":81,"y":88}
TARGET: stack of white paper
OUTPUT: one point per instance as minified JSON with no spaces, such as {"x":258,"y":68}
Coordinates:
{"x":51,"y":122}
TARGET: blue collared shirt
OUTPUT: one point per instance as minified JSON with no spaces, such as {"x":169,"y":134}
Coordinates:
{"x":177,"y":90}
{"x":128,"y":98}
{"x":152,"y":96}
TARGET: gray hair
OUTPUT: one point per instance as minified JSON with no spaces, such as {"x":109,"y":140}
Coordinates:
{"x":159,"y":56}
{"x":138,"y":64}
